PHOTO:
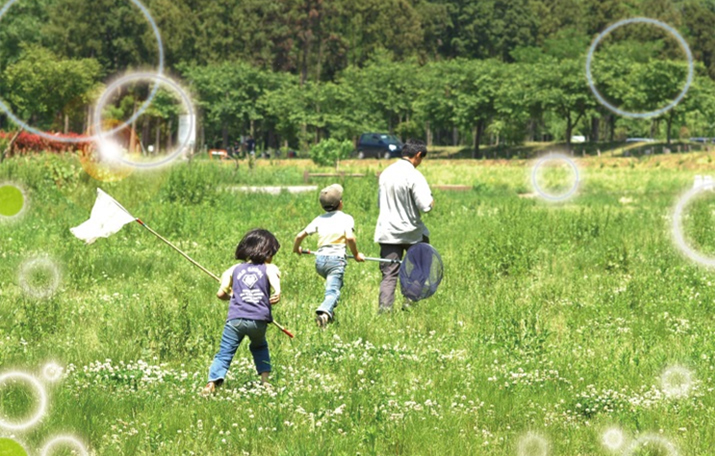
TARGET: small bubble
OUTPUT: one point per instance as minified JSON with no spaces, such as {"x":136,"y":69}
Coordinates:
{"x":652,"y":445}
{"x":676,"y":382}
{"x":52,"y":372}
{"x":65,"y":441}
{"x":613,"y":439}
{"x":533,"y":445}
{"x":39,"y":277}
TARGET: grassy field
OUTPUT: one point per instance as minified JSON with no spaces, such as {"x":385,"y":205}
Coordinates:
{"x":552,"y":320}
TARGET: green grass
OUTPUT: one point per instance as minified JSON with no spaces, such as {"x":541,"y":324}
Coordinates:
{"x":552,"y":319}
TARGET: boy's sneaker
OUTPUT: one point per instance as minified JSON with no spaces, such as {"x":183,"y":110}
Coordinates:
{"x":322,"y":319}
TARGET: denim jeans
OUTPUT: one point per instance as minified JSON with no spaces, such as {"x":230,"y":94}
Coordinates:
{"x":233,"y":333}
{"x":332,"y":269}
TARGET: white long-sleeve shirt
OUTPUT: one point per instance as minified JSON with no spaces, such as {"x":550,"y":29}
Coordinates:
{"x":403,"y":195}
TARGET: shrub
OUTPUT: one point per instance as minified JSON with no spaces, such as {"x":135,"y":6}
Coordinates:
{"x":191,"y":185}
{"x":330,"y":151}
{"x":29,"y":143}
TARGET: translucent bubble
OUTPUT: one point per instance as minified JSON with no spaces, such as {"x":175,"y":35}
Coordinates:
{"x":39,"y":277}
{"x":652,"y":445}
{"x":677,"y":228}
{"x":532,"y":445}
{"x":12,"y":379}
{"x":64,"y":441}
{"x":639,"y":20}
{"x":175,"y":94}
{"x":613,"y":439}
{"x":52,"y":372}
{"x":12,"y":201}
{"x":9,"y":447}
{"x":555,"y":177}
{"x":676,"y":382}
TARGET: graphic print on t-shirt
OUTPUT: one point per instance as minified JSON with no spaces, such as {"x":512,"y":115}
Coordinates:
{"x":249,"y":280}
{"x":249,"y":294}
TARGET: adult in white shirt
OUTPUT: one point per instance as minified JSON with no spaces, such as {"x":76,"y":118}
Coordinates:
{"x":403,"y":195}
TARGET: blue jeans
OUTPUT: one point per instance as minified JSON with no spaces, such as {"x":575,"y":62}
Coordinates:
{"x":332,"y":269}
{"x":233,"y":333}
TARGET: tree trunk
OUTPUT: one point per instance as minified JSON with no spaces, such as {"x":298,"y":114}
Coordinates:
{"x":532,"y":129}
{"x":169,"y":139}
{"x":319,"y":68}
{"x":611,"y":127}
{"x":595,"y":129}
{"x":224,"y":135}
{"x":88,"y":122}
{"x":304,"y":58}
{"x":428,"y":133}
{"x":133,"y":132}
{"x":455,"y":136}
{"x":145,"y":134}
{"x":303,"y":137}
{"x":477,"y":132}
{"x":475,"y":141}
{"x":569,"y":128}
{"x":157,"y":136}
{"x":669,"y":123}
{"x":67,"y":123}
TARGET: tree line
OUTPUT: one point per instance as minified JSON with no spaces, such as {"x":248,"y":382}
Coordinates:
{"x":295,"y":71}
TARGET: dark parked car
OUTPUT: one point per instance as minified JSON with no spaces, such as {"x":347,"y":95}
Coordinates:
{"x":380,"y":145}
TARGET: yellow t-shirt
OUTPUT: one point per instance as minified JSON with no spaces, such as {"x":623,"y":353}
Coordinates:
{"x":332,"y":228}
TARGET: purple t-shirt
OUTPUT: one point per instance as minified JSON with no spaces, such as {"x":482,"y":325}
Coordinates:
{"x":251,"y":293}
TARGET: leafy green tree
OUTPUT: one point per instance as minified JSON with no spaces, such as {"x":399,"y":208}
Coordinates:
{"x":228,"y":95}
{"x":563,"y":89}
{"x":330,"y":151}
{"x":434,"y":105}
{"x":476,"y":95}
{"x":113,"y":32}
{"x":43,"y":88}
{"x":385,"y":88}
{"x":19,"y":28}
{"x":488,"y":28}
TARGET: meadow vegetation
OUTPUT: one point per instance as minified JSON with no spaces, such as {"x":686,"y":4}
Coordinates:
{"x":551,"y":319}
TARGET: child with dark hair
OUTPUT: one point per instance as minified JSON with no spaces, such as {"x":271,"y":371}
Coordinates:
{"x":247,"y":288}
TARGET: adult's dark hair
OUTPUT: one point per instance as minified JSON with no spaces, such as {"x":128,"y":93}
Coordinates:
{"x":257,"y":246}
{"x":413,"y":147}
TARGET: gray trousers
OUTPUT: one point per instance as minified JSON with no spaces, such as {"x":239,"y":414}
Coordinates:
{"x":391,"y":271}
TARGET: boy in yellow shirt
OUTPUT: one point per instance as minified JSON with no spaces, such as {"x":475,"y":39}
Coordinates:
{"x":336,"y":230}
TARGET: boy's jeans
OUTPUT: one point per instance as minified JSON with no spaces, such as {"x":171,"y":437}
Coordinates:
{"x":233,"y":333}
{"x":332,"y":268}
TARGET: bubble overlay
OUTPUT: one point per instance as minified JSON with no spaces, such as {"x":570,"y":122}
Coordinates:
{"x":140,"y":110}
{"x":41,"y":408}
{"x":639,"y":20}
{"x":40,"y":277}
{"x":551,"y":158}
